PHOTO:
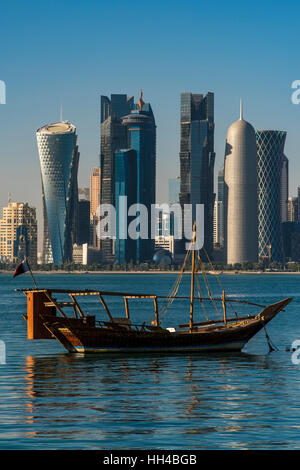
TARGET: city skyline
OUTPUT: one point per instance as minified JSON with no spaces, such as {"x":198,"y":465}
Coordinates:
{"x":260,"y":68}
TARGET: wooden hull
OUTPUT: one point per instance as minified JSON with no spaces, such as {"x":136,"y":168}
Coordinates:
{"x":79,"y":338}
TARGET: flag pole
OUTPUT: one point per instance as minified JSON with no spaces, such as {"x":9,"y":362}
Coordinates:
{"x":31,"y":272}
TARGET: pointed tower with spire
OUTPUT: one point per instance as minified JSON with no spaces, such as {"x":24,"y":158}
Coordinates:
{"x":241,"y":210}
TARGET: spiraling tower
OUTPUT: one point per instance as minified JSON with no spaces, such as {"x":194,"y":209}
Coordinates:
{"x":241,"y":220}
{"x":59,"y":156}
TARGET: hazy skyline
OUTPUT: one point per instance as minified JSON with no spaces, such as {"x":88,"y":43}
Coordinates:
{"x":71,"y":53}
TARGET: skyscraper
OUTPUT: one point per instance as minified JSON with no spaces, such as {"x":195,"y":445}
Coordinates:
{"x":59,"y":157}
{"x":219,"y":210}
{"x":293,"y":209}
{"x":142,"y":138}
{"x":113,"y":137}
{"x":18,"y":233}
{"x":241,"y":193}
{"x":125,"y":187}
{"x":270,"y":146}
{"x":197,"y":158}
{"x":83,"y":231}
{"x":95,"y":195}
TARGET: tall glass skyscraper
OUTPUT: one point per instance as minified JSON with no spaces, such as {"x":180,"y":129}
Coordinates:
{"x":59,"y":157}
{"x":113,"y":137}
{"x":197,"y":158}
{"x":270,"y":147}
{"x":142,"y":138}
{"x":125,"y":186}
{"x":219,"y":210}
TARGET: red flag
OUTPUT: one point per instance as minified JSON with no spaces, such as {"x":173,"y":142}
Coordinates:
{"x":22,"y":268}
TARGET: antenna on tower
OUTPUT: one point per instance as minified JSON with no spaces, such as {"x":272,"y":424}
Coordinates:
{"x":241,"y":108}
{"x":60,"y":114}
{"x":9,"y":198}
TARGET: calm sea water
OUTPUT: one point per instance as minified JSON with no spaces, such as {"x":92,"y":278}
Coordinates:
{"x":50,"y":399}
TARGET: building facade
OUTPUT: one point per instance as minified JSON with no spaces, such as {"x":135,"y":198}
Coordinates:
{"x":293,"y":209}
{"x":141,"y":128}
{"x":113,"y":137}
{"x":270,"y":148}
{"x":284,"y":194}
{"x":125,"y":194}
{"x":59,"y":158}
{"x":240,"y":176}
{"x":95,"y":196}
{"x":219,"y":211}
{"x":18,"y":233}
{"x":197,"y":158}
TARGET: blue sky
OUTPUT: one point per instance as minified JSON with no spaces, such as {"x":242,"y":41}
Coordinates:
{"x":70,"y":53}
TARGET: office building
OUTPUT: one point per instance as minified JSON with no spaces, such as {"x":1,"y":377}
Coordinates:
{"x":125,"y":194}
{"x":270,"y":147}
{"x":240,"y":176}
{"x":83,"y":230}
{"x":219,"y":211}
{"x":197,"y":158}
{"x":18,"y":233}
{"x":293,"y":209}
{"x":59,"y":157}
{"x":140,"y":124}
{"x":113,"y":137}
{"x":95,"y":195}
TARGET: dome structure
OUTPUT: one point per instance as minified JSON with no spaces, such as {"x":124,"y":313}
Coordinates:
{"x":240,"y":177}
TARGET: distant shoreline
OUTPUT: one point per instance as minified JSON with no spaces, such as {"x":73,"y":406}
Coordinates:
{"x":155,"y":272}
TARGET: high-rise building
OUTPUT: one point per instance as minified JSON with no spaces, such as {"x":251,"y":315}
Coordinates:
{"x":197,"y":158}
{"x":18,"y":233}
{"x":284,"y":189}
{"x":141,"y":127}
{"x":59,"y":157}
{"x":83,"y":231}
{"x":174,"y":190}
{"x":270,"y":147}
{"x":113,"y":137}
{"x":219,"y":210}
{"x":293,"y":209}
{"x":95,"y":191}
{"x":125,"y":194}
{"x":241,"y":193}
{"x":95,"y":195}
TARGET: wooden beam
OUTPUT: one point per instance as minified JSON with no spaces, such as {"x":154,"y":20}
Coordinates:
{"x":138,"y":296}
{"x":224,"y":307}
{"x":126,"y":308}
{"x":105,"y":306}
{"x":77,"y":306}
{"x":211,"y":322}
{"x":156,"y":311}
{"x":55,"y":304}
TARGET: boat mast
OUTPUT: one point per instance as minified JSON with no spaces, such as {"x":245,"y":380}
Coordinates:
{"x":193,"y":277}
{"x":224,"y":307}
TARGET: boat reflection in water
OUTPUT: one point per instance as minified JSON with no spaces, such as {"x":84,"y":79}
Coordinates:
{"x":104,"y":399}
